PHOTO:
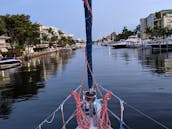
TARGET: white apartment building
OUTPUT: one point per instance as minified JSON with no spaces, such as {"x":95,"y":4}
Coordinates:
{"x":49,"y":32}
{"x":143,"y":27}
{"x":150,"y":21}
{"x":143,"y":24}
{"x":161,"y":19}
{"x":45,"y":31}
{"x":3,"y":44}
{"x":167,"y":20}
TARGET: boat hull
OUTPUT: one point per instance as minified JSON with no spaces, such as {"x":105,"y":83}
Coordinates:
{"x":9,"y":63}
{"x":119,"y":46}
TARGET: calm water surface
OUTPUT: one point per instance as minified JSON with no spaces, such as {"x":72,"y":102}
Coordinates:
{"x":31,"y":92}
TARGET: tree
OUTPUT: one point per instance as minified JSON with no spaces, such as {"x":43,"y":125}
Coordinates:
{"x":54,"y":38}
{"x":50,"y":30}
{"x":2,"y":26}
{"x":21,"y":30}
{"x":137,"y":29}
{"x":125,"y":34}
{"x":64,"y":41}
{"x":158,"y":32}
{"x":158,"y":15}
{"x":32,"y":35}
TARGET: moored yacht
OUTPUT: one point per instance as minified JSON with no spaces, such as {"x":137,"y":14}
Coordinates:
{"x":120,"y":44}
{"x":6,"y":63}
{"x":133,"y":42}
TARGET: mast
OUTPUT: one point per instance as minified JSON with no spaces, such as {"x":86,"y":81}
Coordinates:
{"x":88,"y":24}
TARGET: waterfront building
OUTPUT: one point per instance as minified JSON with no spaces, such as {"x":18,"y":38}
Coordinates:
{"x":108,"y":38}
{"x":166,"y":16}
{"x":161,"y":19}
{"x":46,"y":34}
{"x":143,"y":27}
{"x":150,"y":20}
{"x":49,"y":34}
{"x":3,"y":44}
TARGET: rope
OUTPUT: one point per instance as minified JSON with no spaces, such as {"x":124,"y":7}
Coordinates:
{"x":114,"y":95}
{"x":104,"y":122}
{"x":147,"y":116}
{"x":46,"y":120}
{"x":114,"y":115}
{"x":122,"y":110}
{"x":137,"y":110}
{"x":62,"y":113}
{"x":92,"y":74}
{"x":69,"y":119}
{"x":51,"y":117}
{"x":82,"y":119}
{"x":122,"y":114}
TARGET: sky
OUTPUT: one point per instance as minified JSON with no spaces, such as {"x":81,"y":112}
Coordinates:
{"x":68,"y":15}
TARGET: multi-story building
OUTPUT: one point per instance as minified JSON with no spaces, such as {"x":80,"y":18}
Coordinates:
{"x":46,"y":33}
{"x":51,"y":36}
{"x":143,"y":27}
{"x":161,"y":19}
{"x":166,"y":16}
{"x":150,"y":20}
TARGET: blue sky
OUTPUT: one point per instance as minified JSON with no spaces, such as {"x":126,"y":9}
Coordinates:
{"x":68,"y":15}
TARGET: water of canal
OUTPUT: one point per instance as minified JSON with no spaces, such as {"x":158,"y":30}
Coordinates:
{"x":32,"y":91}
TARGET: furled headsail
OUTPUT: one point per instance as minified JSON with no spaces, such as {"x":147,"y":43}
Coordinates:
{"x":88,"y":23}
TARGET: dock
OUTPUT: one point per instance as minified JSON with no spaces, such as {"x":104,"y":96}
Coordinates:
{"x":161,"y":47}
{"x":42,"y":53}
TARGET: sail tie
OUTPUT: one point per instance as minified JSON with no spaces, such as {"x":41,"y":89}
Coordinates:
{"x":83,"y":120}
{"x":103,"y":121}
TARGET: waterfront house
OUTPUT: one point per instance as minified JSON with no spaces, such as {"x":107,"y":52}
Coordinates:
{"x":3,"y":44}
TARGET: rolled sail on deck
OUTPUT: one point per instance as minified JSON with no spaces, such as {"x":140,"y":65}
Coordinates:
{"x":88,"y":21}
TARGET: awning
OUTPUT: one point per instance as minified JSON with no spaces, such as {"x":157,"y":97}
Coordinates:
{"x":3,"y":50}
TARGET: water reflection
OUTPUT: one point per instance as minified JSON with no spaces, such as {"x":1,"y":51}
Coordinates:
{"x":21,"y":84}
{"x":158,"y":63}
{"x":168,"y":65}
{"x":125,"y":54}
